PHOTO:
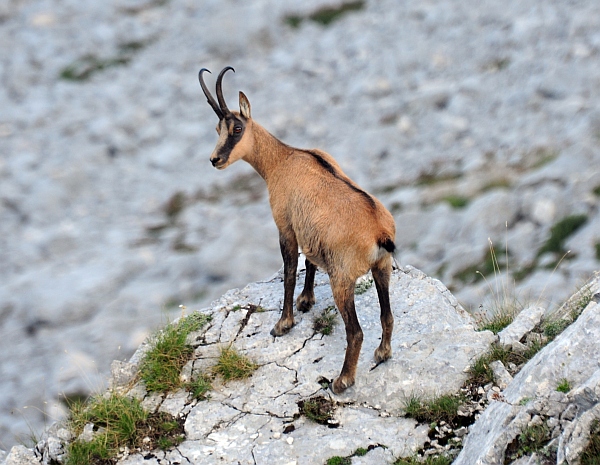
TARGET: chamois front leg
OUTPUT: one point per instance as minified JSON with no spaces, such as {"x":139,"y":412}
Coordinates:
{"x":343,"y":294}
{"x":306,"y":299}
{"x":381,"y":275}
{"x":289,"y":252}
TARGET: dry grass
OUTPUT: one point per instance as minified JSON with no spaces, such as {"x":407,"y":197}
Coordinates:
{"x":232,"y":365}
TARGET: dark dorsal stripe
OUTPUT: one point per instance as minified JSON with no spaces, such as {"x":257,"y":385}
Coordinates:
{"x":330,"y":169}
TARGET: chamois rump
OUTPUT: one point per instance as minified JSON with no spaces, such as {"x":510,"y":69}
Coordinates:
{"x":338,"y":226}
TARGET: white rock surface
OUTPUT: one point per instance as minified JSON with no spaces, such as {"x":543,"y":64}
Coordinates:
{"x":434,"y":342}
{"x":20,"y":455}
{"x":524,"y":322}
{"x":258,"y":420}
{"x":571,"y":356}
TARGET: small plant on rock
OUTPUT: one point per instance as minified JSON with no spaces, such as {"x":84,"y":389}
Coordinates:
{"x":481,"y":372}
{"x":360,"y":452}
{"x":118,"y":423}
{"x":200,"y":386}
{"x":591,"y":454}
{"x":500,"y":311}
{"x":363,"y":286}
{"x":325,"y":322}
{"x":570,"y":311}
{"x":534,"y":438}
{"x":318,"y":409}
{"x":563,"y":385}
{"x":429,"y":460}
{"x":553,"y":328}
{"x":232,"y":365}
{"x":442,"y":408}
{"x":161,"y":367}
{"x":499,"y":320}
{"x":337,"y":460}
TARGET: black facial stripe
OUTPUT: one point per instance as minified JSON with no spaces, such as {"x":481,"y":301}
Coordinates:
{"x":330,"y":169}
{"x":226,"y":149}
{"x":231,"y":141}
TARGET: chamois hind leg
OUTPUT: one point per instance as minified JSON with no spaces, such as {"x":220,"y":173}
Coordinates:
{"x":289,"y":251}
{"x":343,"y":294}
{"x":381,"y":275}
{"x":306,"y":299}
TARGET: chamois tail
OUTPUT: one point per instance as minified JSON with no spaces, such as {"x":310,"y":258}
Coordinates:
{"x":387,"y":244}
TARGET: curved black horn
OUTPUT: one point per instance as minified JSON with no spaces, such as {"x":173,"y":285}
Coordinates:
{"x":220,"y":98}
{"x":209,"y":98}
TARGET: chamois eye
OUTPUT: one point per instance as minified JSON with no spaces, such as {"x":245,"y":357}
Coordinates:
{"x":237,"y":130}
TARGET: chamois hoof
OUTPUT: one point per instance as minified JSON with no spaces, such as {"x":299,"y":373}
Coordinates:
{"x":304,"y":305}
{"x":339,"y":385}
{"x":280,"y":330}
{"x":381,"y":355}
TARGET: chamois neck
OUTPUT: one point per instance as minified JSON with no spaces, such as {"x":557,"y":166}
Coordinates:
{"x":267,"y":153}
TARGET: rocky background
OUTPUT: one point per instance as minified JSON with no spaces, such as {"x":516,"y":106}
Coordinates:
{"x":470,"y":120}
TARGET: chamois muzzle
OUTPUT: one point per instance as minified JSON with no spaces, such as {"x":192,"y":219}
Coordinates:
{"x":215,"y":161}
{"x":219,"y":108}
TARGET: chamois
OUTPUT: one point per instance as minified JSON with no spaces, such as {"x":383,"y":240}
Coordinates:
{"x":338,"y":226}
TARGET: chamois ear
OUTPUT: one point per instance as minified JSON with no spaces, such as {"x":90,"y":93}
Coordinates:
{"x":244,"y":105}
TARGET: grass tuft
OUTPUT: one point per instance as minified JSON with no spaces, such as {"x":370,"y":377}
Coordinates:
{"x":534,"y":438}
{"x":232,"y":365}
{"x":199,"y":387}
{"x":563,"y":386}
{"x":161,"y":368}
{"x":337,"y":460}
{"x":481,"y":372}
{"x":118,"y":422}
{"x":553,"y":328}
{"x":498,"y":321}
{"x":442,"y":408}
{"x":430,"y":460}
{"x":325,"y":322}
{"x":360,"y":452}
{"x":318,"y":409}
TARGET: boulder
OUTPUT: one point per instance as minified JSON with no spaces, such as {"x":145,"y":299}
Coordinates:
{"x":572,"y":356}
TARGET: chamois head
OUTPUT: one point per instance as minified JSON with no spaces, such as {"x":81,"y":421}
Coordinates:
{"x":234,"y":140}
